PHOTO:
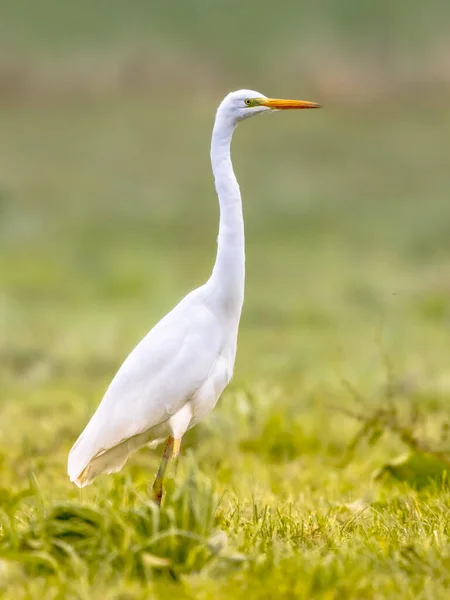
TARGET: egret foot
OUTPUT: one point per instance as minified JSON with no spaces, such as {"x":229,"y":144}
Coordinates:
{"x":157,"y":488}
{"x":157,"y":495}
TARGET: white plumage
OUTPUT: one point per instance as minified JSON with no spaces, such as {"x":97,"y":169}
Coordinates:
{"x":175,"y":375}
{"x":172,"y":368}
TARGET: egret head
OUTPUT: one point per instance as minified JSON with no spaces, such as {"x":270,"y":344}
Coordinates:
{"x":242,"y":104}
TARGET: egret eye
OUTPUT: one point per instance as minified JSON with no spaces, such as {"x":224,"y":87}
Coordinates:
{"x":248,"y":102}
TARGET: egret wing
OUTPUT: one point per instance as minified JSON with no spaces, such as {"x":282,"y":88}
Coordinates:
{"x":162,"y":372}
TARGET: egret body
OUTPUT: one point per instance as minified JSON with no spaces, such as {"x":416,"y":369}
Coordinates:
{"x":174,"y":377}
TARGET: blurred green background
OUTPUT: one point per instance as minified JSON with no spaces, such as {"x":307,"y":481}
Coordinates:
{"x":108,"y":213}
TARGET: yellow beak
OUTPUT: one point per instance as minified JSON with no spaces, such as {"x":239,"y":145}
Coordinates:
{"x":288,"y":104}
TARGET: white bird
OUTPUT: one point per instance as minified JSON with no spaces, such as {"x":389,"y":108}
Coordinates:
{"x":174,"y":377}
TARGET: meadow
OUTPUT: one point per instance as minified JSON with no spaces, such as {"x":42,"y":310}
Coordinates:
{"x":322,"y":472}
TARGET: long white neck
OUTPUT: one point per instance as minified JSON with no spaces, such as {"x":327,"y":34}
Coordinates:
{"x":228,"y":275}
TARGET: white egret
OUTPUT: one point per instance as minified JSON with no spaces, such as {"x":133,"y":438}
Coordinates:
{"x":175,"y":375}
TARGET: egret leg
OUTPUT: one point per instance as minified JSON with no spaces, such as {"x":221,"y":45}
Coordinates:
{"x":175,"y":453}
{"x":176,"y":447}
{"x":158,"y":483}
